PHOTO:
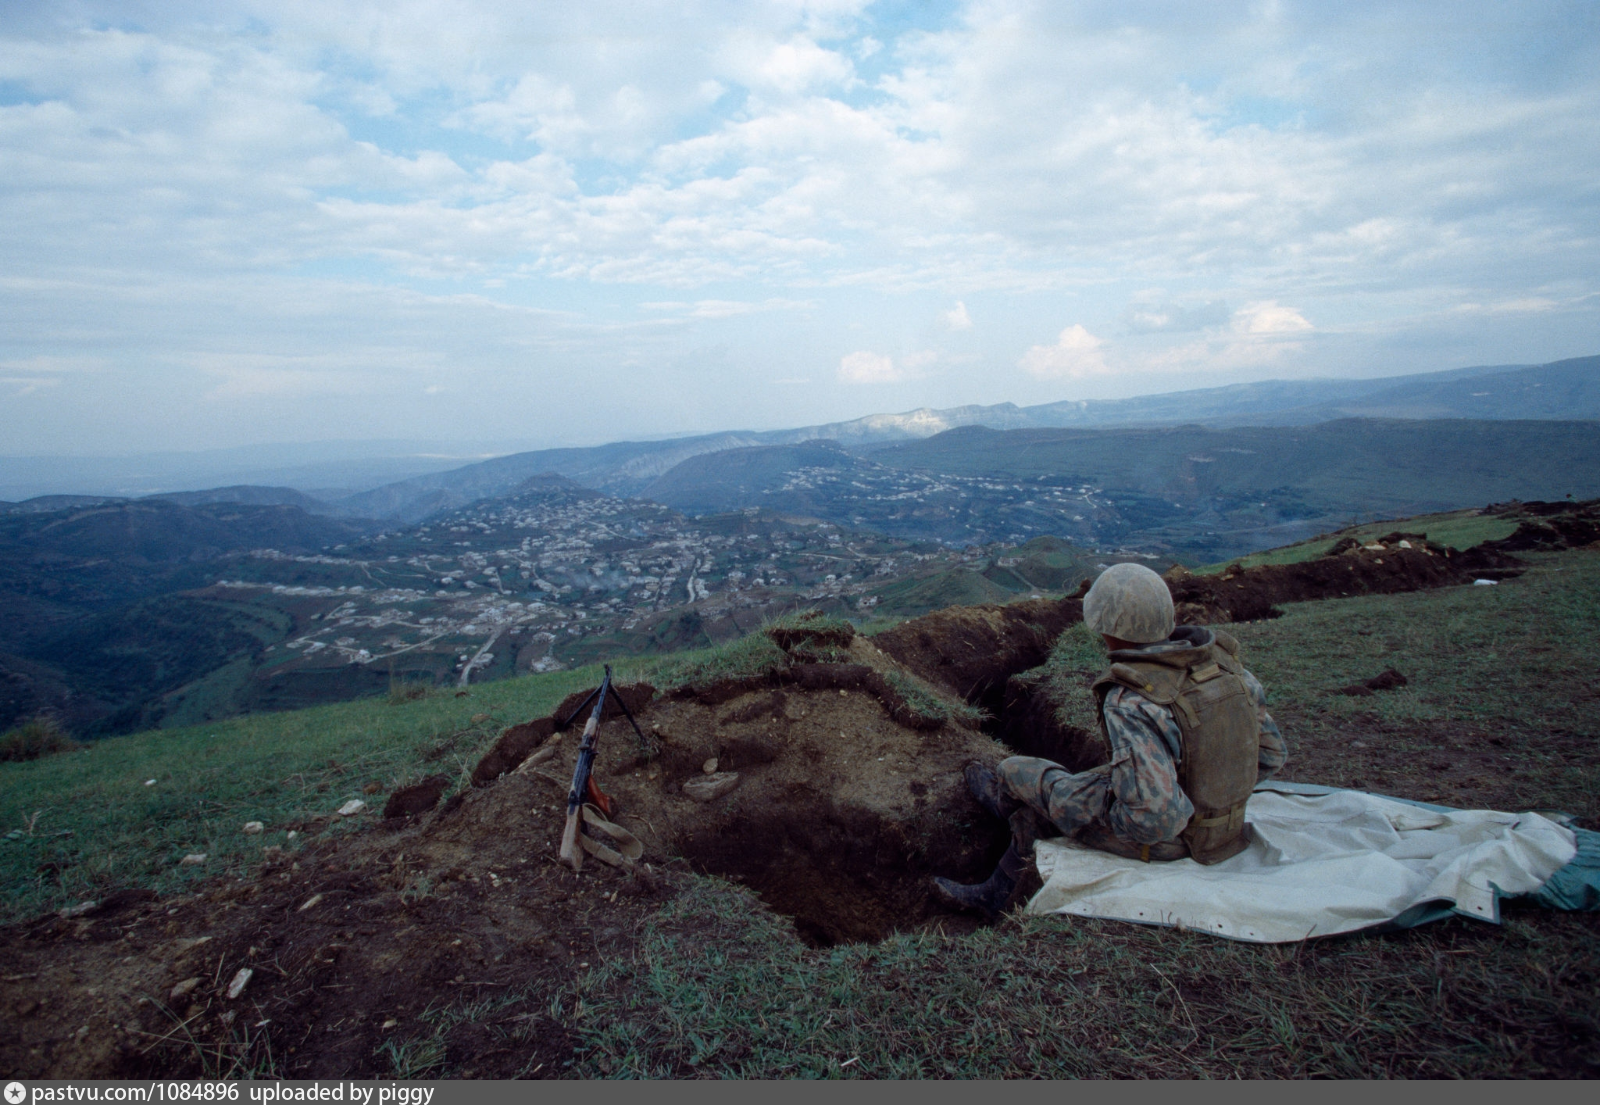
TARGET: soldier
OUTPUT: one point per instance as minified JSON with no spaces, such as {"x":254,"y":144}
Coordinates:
{"x":1189,"y":735}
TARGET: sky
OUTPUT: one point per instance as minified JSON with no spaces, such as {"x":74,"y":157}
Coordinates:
{"x":228,"y":223}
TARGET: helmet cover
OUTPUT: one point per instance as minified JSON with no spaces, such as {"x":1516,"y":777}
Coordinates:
{"x":1130,"y":602}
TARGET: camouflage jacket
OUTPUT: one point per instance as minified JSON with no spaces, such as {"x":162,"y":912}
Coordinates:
{"x":1143,"y":801}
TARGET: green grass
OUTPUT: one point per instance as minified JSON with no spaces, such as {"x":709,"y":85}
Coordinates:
{"x":1513,"y":661}
{"x":922,"y":699}
{"x":89,"y":821}
{"x":752,"y":656}
{"x":1078,"y":656}
{"x":1460,"y":529}
{"x":32,"y":740}
{"x":720,"y":988}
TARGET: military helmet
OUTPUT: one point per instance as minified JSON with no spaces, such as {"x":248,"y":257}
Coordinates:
{"x":1130,"y":602}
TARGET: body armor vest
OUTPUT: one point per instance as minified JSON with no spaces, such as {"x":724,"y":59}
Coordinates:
{"x":1203,"y":688}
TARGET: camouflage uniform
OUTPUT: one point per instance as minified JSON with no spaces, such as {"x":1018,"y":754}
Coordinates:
{"x":1136,"y":797}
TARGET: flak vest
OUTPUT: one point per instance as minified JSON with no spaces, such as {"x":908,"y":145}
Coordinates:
{"x":1207,"y":695}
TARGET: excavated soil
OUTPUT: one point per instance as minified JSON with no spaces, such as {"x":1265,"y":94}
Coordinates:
{"x":849,"y":795}
{"x":1382,"y":566}
{"x":845,"y":804}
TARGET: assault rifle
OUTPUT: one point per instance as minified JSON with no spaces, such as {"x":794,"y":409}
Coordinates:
{"x":584,"y":788}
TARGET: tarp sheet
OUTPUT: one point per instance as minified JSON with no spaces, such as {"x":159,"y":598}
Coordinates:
{"x":1326,"y":861}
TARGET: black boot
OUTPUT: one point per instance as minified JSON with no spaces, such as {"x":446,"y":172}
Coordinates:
{"x":988,"y":897}
{"x":992,"y":794}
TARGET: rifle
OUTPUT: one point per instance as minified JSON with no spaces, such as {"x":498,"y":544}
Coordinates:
{"x":584,"y":788}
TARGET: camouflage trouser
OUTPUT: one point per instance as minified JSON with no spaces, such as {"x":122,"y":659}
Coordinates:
{"x":1067,"y":801}
{"x":1075,"y":805}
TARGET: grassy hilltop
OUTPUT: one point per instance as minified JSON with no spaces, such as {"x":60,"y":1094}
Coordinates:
{"x":1498,"y":712}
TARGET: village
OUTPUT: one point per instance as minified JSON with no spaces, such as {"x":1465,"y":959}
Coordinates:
{"x":536,"y":581}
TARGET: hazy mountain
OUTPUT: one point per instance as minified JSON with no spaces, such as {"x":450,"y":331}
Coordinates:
{"x":56,"y":566}
{"x":351,"y":465}
{"x":251,"y":495}
{"x":1186,"y":490}
{"x":1563,"y":390}
{"x":737,"y":478}
{"x":1370,"y":464}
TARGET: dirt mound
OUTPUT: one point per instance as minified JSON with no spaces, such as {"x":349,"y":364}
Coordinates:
{"x":1380,"y":566}
{"x":1561,"y":525}
{"x":1387,"y":680}
{"x":417,"y":798}
{"x":848,"y":795}
{"x":972,"y":650}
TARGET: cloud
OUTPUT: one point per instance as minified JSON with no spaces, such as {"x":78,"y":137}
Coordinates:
{"x":1174,"y":318}
{"x":1269,"y":318}
{"x":956,"y":318}
{"x":726,"y":308}
{"x":1075,"y":354}
{"x":869,"y":368}
{"x":190,"y":186}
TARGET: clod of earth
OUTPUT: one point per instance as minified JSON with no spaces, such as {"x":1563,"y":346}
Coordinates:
{"x":1387,"y":680}
{"x":417,"y":798}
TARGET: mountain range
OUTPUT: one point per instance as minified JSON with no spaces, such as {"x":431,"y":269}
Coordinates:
{"x":1563,"y":390}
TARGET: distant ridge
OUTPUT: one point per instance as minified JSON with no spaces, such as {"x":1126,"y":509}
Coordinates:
{"x":1562,"y":390}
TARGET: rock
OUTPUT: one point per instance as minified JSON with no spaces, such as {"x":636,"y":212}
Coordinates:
{"x":193,"y":859}
{"x":240,"y":981}
{"x":80,"y":909}
{"x":352,"y":807}
{"x":291,"y":835}
{"x":149,"y":782}
{"x":309,"y":902}
{"x":183,"y":989}
{"x":708,"y":788}
{"x":371,"y":788}
{"x":478,"y":718}
{"x":710,"y":766}
{"x":253,"y":827}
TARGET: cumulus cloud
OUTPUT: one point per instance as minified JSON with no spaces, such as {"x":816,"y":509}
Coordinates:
{"x":869,"y":368}
{"x":956,"y":318}
{"x":730,"y":157}
{"x":1269,"y":318}
{"x":1075,"y":354}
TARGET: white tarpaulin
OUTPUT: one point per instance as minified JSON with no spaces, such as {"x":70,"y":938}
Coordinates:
{"x":1322,"y":862}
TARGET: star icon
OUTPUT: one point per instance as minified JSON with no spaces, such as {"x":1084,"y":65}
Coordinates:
{"x":15,"y":1092}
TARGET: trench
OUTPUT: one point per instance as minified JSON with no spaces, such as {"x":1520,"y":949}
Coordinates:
{"x":849,"y":874}
{"x":844,"y":877}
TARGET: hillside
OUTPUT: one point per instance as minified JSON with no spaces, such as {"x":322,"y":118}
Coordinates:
{"x":1355,"y":465}
{"x":1188,"y":491}
{"x":782,"y":930}
{"x":83,"y":608}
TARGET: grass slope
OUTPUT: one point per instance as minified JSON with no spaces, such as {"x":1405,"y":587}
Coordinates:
{"x":715,"y":985}
{"x":86,"y":820}
{"x":1460,"y":529}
